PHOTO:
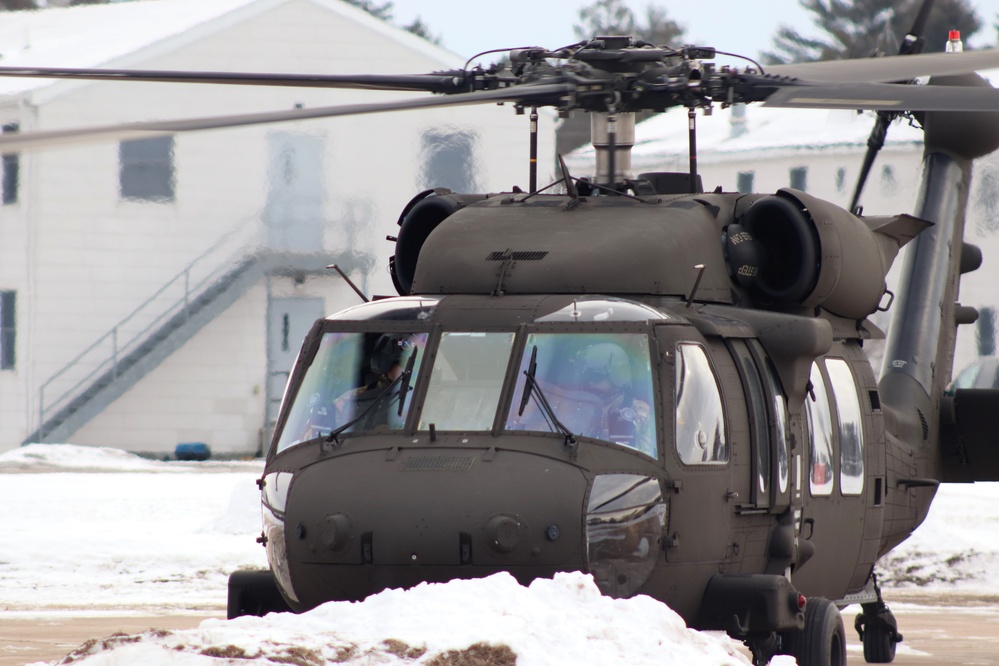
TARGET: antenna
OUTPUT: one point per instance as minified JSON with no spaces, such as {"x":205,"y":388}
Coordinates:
{"x":350,"y":282}
{"x":697,"y":283}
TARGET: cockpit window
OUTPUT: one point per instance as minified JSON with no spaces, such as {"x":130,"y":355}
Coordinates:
{"x":700,"y":420}
{"x":594,"y":384}
{"x":358,"y":377}
{"x":466,"y":381}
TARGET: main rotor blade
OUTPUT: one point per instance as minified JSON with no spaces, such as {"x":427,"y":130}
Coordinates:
{"x":440,"y":82}
{"x":528,"y":94}
{"x":891,"y":68}
{"x":886,"y":97}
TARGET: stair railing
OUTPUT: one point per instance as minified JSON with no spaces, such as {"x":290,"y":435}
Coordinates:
{"x":232,"y":248}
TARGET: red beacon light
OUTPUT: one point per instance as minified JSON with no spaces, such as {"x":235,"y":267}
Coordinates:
{"x":954,"y":43}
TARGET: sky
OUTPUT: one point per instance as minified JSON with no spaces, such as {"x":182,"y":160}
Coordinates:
{"x":736,"y":26}
{"x":169,"y":548}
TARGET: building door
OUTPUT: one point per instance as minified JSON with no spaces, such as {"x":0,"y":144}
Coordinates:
{"x":295,"y":195}
{"x":288,"y":321}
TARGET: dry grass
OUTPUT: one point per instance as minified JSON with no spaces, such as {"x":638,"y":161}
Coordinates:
{"x":402,"y":649}
{"x":227,"y":652}
{"x":479,"y":654}
{"x":298,"y":656}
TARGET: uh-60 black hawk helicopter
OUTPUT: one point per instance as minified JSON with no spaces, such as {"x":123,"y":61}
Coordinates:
{"x":664,"y":387}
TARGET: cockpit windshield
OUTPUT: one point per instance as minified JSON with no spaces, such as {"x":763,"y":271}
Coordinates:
{"x":361,"y":377}
{"x":581,"y":384}
{"x":596,"y":384}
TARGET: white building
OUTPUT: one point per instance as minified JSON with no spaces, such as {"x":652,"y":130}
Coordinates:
{"x":759,"y":149}
{"x":156,"y":292}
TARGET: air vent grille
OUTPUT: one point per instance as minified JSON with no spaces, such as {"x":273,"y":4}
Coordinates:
{"x":437,"y":464}
{"x":506,"y":255}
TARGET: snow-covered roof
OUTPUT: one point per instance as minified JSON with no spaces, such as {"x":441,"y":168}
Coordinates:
{"x":765,"y":131}
{"x":108,"y":35}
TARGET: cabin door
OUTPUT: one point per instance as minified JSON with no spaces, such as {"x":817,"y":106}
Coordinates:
{"x":833,"y":515}
{"x":698,"y":451}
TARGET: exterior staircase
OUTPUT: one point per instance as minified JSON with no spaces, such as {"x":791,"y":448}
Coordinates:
{"x":141,"y":341}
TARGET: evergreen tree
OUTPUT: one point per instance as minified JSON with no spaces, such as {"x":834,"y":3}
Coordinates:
{"x":421,"y":29}
{"x":613,"y":17}
{"x":382,"y":11}
{"x":857,"y":28}
{"x":14,"y":5}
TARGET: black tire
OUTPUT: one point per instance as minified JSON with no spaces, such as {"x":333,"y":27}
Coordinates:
{"x":254,"y":593}
{"x":879,"y":644}
{"x":823,"y":640}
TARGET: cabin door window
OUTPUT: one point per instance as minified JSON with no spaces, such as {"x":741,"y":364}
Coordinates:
{"x":820,"y":429}
{"x":700,"y":419}
{"x":851,"y":432}
{"x":759,"y":429}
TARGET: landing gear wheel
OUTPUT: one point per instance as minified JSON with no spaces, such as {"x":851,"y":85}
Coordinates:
{"x":877,"y":628}
{"x":254,"y":593}
{"x":823,"y":640}
{"x":879,"y":644}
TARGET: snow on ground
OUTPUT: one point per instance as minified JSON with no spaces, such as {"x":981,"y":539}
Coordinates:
{"x":93,"y":531}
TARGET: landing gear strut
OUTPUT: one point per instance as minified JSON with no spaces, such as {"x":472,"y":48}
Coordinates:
{"x":763,"y":646}
{"x":878,"y":629}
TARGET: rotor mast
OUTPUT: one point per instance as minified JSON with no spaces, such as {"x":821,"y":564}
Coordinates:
{"x":612,"y":135}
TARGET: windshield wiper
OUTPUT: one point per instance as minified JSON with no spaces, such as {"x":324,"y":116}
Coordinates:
{"x":334,"y":436}
{"x":532,"y":387}
{"x":404,"y":386}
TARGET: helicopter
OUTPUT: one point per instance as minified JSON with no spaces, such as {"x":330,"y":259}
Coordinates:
{"x":662,"y":386}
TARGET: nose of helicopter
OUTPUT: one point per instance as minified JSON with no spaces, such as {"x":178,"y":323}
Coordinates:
{"x":362,"y":522}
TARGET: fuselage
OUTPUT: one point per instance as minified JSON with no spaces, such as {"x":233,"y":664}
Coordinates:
{"x":649,"y":443}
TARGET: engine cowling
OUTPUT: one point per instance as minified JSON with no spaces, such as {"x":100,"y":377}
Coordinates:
{"x":791,"y":249}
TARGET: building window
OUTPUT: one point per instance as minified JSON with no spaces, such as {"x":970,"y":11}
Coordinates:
{"x":841,"y":180}
{"x":8,"y":329}
{"x":744,"y":181}
{"x":799,"y":178}
{"x":448,"y":157}
{"x":146,"y":171}
{"x":10,"y":171}
{"x":986,"y":330}
{"x":889,"y":185}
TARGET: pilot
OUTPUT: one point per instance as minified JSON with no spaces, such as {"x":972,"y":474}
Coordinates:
{"x":384,"y":367}
{"x":606,"y":373}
